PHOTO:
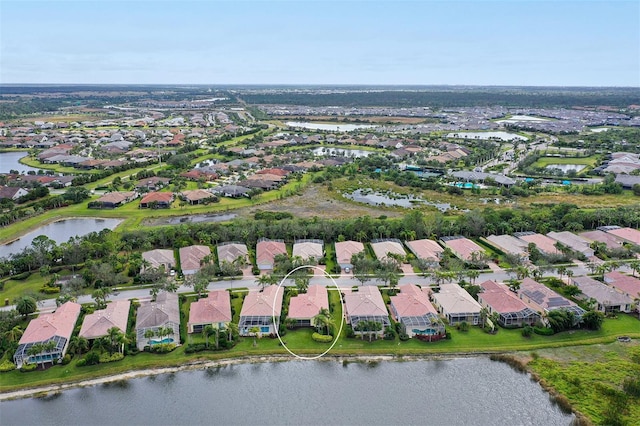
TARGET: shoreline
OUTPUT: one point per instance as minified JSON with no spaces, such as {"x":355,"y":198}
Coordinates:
{"x":55,"y":219}
{"x":46,"y":390}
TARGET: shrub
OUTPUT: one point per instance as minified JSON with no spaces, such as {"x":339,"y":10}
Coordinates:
{"x":195,"y":347}
{"x":403,"y":336}
{"x":49,"y":290}
{"x":543,"y":331}
{"x":463,"y":326}
{"x":163,"y":348}
{"x":349,"y":331}
{"x":527,"y":331}
{"x":91,"y":358}
{"x":631,"y":386}
{"x":66,"y":359}
{"x":104,"y":358}
{"x":21,"y":277}
{"x":28,"y":367}
{"x":7,"y":365}
{"x":322,"y":338}
{"x":81,"y":363}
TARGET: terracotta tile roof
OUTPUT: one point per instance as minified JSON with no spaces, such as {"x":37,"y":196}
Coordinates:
{"x":59,"y":323}
{"x":213,"y":309}
{"x":307,"y":305}
{"x":625,"y":283}
{"x":307,"y":250}
{"x":463,"y":247}
{"x":412,"y":302}
{"x":97,"y":324}
{"x":367,"y":301}
{"x":116,"y":197}
{"x":155,"y":314}
{"x":160,"y":257}
{"x":191,"y":256}
{"x":381,"y":248}
{"x":231,"y":251}
{"x":454,"y":300}
{"x":161,"y":197}
{"x":500,"y":298}
{"x":267,"y":250}
{"x":262,"y":303}
{"x":425,"y":249}
{"x":629,"y":234}
{"x":346,"y":249}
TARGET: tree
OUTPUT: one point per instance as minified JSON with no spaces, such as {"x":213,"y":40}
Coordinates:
{"x":592,"y":320}
{"x":323,"y":321}
{"x":513,"y":284}
{"x":26,"y":305}
{"x":265,"y":280}
{"x":148,"y":334}
{"x":100,"y":297}
{"x":113,"y":334}
{"x":363,"y":267}
{"x":35,"y":351}
{"x":78,"y":345}
{"x":14,"y":334}
{"x":207,"y":331}
{"x":255,"y":331}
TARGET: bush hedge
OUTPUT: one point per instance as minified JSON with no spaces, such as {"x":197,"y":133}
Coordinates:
{"x":104,"y":358}
{"x":7,"y":365}
{"x":28,"y":367}
{"x":543,"y":331}
{"x":322,"y":338}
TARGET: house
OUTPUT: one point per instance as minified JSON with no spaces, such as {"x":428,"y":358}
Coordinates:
{"x":12,"y":192}
{"x":229,"y":252}
{"x":628,"y":234}
{"x":382,"y":248}
{"x":462,"y":247}
{"x":366,"y":304}
{"x":266,"y":251}
{"x":573,"y":241}
{"x":512,"y":311}
{"x":345,"y":251}
{"x":425,"y":249}
{"x":214,"y":310}
{"x":608,"y":299}
{"x":308,"y":249}
{"x":610,"y":240}
{"x":259,"y":309}
{"x":456,"y":304}
{"x":509,"y":244}
{"x":57,"y":327}
{"x":232,"y":191}
{"x":542,"y":299}
{"x":625,"y":284}
{"x":542,"y":242}
{"x":153,"y":183}
{"x":198,"y":196}
{"x":305,"y":306}
{"x":468,"y":176}
{"x":191,"y":258}
{"x":157,"y":200}
{"x":160,"y":258}
{"x":163,"y":313}
{"x":98,"y":324}
{"x":112,"y":200}
{"x":412,"y":308}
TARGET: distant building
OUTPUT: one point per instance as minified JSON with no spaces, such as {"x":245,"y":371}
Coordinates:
{"x":382,"y":248}
{"x":308,"y":249}
{"x":266,"y":251}
{"x":191,"y":258}
{"x":160,"y":258}
{"x":345,"y":251}
{"x":425,"y":249}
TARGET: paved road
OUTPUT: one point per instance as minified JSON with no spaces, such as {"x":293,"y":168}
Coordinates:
{"x":344,"y":281}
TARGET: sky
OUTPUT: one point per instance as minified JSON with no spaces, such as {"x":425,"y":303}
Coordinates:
{"x":512,"y":43}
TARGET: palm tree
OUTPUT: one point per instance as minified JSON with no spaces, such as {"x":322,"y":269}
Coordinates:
{"x":484,"y":313}
{"x":14,"y":334}
{"x":123,"y":339}
{"x":232,"y":329}
{"x":78,"y":345}
{"x":206,"y":332}
{"x":35,"y":350}
{"x":49,"y":347}
{"x":256,"y":334}
{"x":148,"y":334}
{"x":113,"y":334}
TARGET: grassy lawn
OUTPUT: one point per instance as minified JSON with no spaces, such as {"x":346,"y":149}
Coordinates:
{"x":473,"y":341}
{"x":585,"y":161}
{"x":588,"y":377}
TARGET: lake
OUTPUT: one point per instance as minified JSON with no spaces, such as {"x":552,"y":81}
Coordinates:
{"x":357,"y":153}
{"x":60,"y":232}
{"x":10,"y":161}
{"x":375,"y":198}
{"x":487,"y":135}
{"x":330,"y":127}
{"x":462,"y":391}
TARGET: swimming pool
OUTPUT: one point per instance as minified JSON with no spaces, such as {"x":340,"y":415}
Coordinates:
{"x":157,"y":342}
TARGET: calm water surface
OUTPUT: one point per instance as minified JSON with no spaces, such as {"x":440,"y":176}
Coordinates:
{"x":466,"y":391}
{"x":60,"y":232}
{"x":330,"y":127}
{"x":9,"y":161}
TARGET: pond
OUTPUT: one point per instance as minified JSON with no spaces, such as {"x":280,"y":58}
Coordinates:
{"x":196,"y":218}
{"x":462,"y":391}
{"x":566,"y":167}
{"x":342,"y":152}
{"x":60,"y":232}
{"x":10,"y":161}
{"x":375,"y":198}
{"x":330,"y":127}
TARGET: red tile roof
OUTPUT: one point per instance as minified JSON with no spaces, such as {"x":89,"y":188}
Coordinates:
{"x":161,"y":197}
{"x":412,"y":302}
{"x":59,"y":323}
{"x":262,"y":303}
{"x":214,"y":309}
{"x":97,"y":324}
{"x":500,"y":298}
{"x":307,"y":305}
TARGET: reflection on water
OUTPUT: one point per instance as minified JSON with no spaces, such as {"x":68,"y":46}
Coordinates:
{"x":375,"y":198}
